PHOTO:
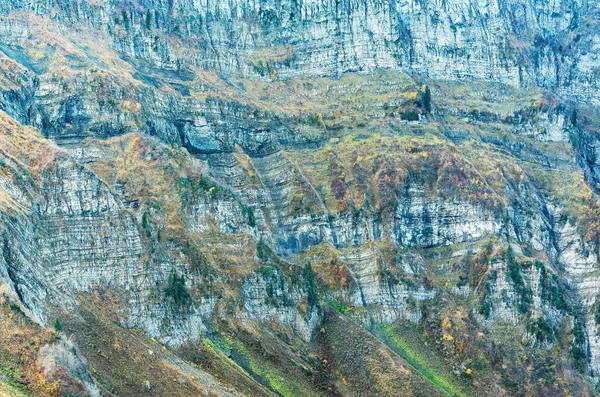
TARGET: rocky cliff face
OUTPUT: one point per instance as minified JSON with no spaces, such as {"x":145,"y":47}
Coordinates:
{"x":547,"y":44}
{"x":220,"y":188}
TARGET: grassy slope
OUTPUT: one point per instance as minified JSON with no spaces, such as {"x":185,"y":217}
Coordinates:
{"x":9,"y":391}
{"x":125,"y":361}
{"x":362,"y":366}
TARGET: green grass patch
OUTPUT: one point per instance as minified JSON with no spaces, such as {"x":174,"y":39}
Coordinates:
{"x":209,"y":344}
{"x":7,"y":390}
{"x":252,"y":361}
{"x":276,"y":381}
{"x":343,"y":308}
{"x":421,"y":360}
{"x":13,"y":381}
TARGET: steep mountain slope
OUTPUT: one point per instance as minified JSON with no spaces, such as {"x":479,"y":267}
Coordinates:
{"x":299,"y":198}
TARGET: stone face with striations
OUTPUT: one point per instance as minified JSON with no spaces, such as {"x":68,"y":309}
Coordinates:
{"x":205,"y":152}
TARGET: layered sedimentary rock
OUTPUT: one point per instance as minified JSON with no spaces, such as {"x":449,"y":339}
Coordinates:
{"x":507,"y":41}
{"x":222,"y":175}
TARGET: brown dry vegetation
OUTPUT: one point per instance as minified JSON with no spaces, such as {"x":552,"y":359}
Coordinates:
{"x":23,"y":147}
{"x":362,"y":366}
{"x":370,"y":173}
{"x":24,"y":155}
{"x":20,"y":342}
{"x":149,"y":171}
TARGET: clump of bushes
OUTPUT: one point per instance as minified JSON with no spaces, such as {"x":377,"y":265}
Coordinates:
{"x":311,"y":286}
{"x":578,"y":348}
{"x":521,"y":290}
{"x":263,"y":251}
{"x":552,"y":291}
{"x":485,"y":308}
{"x":57,"y":324}
{"x":249,"y":213}
{"x":597,"y":311}
{"x":542,"y":330}
{"x":177,"y":292}
{"x":417,"y":103}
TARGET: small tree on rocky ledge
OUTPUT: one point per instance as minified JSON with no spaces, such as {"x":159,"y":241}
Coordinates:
{"x":311,"y":288}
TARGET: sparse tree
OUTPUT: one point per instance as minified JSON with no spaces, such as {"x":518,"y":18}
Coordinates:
{"x":57,"y":325}
{"x":574,"y":117}
{"x":427,"y":99}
